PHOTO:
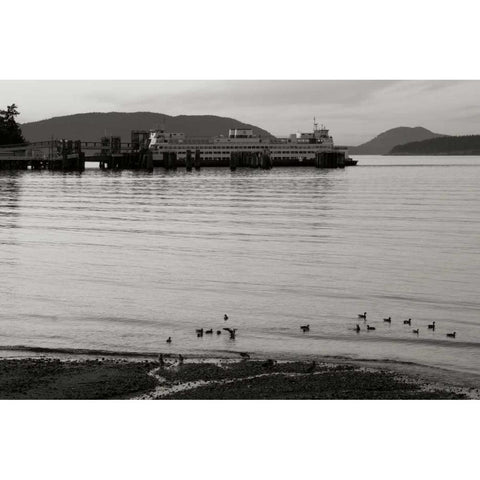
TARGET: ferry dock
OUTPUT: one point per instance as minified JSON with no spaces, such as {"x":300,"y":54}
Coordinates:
{"x":158,"y":149}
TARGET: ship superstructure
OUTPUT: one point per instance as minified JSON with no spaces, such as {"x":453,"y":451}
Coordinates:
{"x":296,"y":148}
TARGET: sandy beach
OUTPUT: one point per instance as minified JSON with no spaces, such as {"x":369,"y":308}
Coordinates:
{"x":118,"y":377}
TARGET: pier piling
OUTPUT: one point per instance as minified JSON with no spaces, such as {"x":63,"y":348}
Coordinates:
{"x":330,"y":160}
{"x":198,"y":160}
{"x":233,"y":161}
{"x":266,"y":160}
{"x":189,"y":161}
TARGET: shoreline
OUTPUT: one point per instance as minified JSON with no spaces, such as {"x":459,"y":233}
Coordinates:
{"x":402,"y":366}
{"x":82,"y":374}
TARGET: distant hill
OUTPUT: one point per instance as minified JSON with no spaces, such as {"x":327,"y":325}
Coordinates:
{"x":460,"y":145}
{"x":383,"y":143}
{"x":92,"y":126}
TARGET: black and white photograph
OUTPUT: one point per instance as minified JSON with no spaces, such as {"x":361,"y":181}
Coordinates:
{"x":194,"y":227}
{"x":223,"y":256}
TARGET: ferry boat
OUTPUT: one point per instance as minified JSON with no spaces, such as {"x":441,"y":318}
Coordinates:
{"x":295,"y":150}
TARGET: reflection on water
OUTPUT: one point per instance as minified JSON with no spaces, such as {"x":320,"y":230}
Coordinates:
{"x":9,"y":195}
{"x":122,"y":260}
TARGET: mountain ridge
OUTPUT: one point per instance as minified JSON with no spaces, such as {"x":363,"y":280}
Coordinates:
{"x":92,"y":126}
{"x":450,"y":145}
{"x":384,"y":142}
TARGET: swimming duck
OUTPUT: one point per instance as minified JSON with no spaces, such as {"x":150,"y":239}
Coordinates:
{"x":370,"y":328}
{"x":225,"y":317}
{"x":363,"y":315}
{"x":407,"y":322}
{"x":219,"y":332}
{"x":357,"y":328}
{"x":232,"y":332}
{"x":388,"y":320}
{"x":451,"y":335}
{"x":199,"y":332}
{"x":305,"y":328}
{"x":416,"y":330}
{"x":209,"y":332}
{"x":169,"y":340}
{"x":432,"y":326}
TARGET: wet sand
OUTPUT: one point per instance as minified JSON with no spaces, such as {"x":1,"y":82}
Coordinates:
{"x":221,"y":378}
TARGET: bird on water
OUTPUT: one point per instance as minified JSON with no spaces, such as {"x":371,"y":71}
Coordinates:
{"x":432,"y":326}
{"x":357,"y":328}
{"x":232,"y":332}
{"x":169,"y":340}
{"x":225,"y":317}
{"x":452,"y":335}
{"x":209,"y":332}
{"x":370,"y":328}
{"x":305,"y":328}
{"x":388,"y":320}
{"x":416,"y":330}
{"x":219,"y":332}
{"x":407,"y":322}
{"x":199,"y":332}
{"x":363,"y":315}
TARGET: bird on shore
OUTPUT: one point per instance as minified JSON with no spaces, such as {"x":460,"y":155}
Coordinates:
{"x":209,"y":332}
{"x":432,"y":326}
{"x":180,"y":359}
{"x":363,"y":315}
{"x":357,"y":328}
{"x":232,"y":332}
{"x":388,"y":320}
{"x":161,"y":361}
{"x":219,"y":332}
{"x":305,"y":328}
{"x":416,"y":330}
{"x":225,"y":317}
{"x":370,"y":328}
{"x":269,"y":363}
{"x":199,"y":332}
{"x":312,"y":366}
{"x":407,"y":322}
{"x":452,"y":335}
{"x":169,"y":340}
{"x":245,"y":355}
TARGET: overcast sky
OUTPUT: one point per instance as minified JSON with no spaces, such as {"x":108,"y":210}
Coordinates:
{"x":354,"y":111}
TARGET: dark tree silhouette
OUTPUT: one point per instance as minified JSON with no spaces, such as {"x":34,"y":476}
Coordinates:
{"x":10,"y":132}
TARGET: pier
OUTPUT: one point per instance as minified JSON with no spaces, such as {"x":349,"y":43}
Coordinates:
{"x":71,"y":155}
{"x":112,"y":154}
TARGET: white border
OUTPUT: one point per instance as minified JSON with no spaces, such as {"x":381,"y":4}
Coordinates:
{"x":239,"y":440}
{"x":314,"y":39}
{"x":248,"y":39}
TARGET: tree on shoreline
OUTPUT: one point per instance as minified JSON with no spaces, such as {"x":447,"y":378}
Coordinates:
{"x":10,"y":132}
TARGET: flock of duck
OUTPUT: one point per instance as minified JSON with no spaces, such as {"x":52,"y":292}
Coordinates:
{"x":306,"y":328}
{"x":416,"y":331}
{"x":202,"y":331}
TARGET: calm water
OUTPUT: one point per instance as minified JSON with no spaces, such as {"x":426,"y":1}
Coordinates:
{"x":121,"y":261}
